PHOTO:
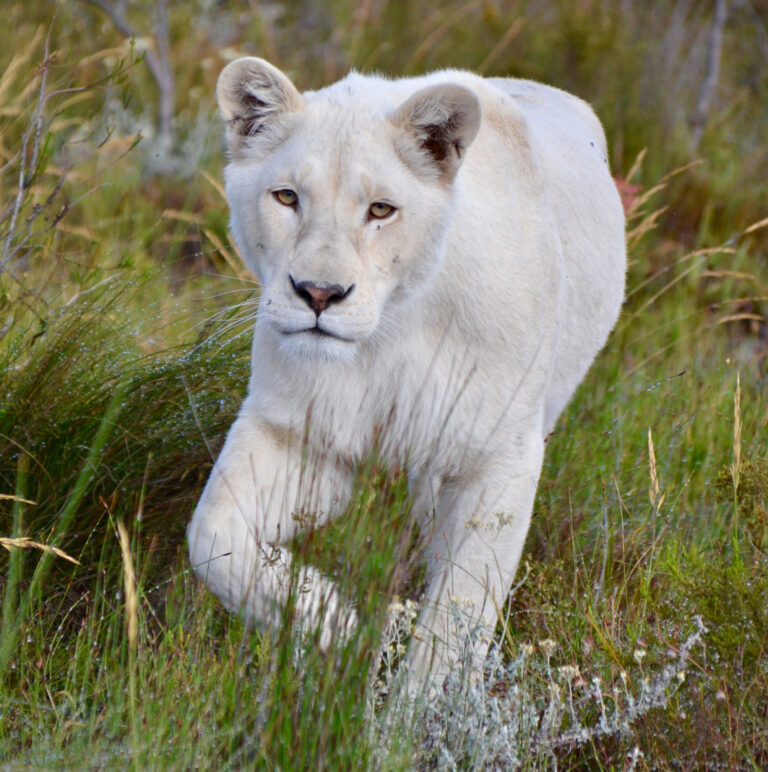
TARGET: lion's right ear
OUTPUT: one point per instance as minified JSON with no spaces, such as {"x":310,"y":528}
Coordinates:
{"x":253,"y":96}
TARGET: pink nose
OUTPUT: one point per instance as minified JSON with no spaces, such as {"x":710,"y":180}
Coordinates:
{"x":319,"y":297}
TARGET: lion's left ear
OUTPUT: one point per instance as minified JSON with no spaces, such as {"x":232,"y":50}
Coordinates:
{"x":443,"y":120}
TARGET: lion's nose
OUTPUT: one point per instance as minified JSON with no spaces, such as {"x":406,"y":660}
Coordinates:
{"x":318,"y":297}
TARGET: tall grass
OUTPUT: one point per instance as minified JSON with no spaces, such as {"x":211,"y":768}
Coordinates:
{"x":124,"y":357}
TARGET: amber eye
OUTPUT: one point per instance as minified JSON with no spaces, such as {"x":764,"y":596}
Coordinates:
{"x":380,"y":210}
{"x":286,"y":197}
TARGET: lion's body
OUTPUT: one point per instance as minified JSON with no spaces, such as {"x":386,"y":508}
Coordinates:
{"x":454,"y":329}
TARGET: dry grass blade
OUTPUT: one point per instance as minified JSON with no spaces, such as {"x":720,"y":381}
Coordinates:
{"x":217,"y":186}
{"x":642,"y":221}
{"x":668,"y":286}
{"x":11,"y":497}
{"x":234,"y":262}
{"x":25,"y":543}
{"x":654,"y":492}
{"x":725,"y":274}
{"x":499,"y":48}
{"x":175,"y":214}
{"x":131,"y":595}
{"x":685,"y":258}
{"x":17,"y":65}
{"x":637,"y":164}
{"x":756,"y":226}
{"x":132,"y":628}
{"x":122,"y":51}
{"x":439,"y":32}
{"x":647,"y":224}
{"x":745,"y":317}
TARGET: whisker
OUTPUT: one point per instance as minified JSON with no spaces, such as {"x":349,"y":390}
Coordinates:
{"x":235,"y":338}
{"x":233,"y":292}
{"x":224,"y":313}
{"x":243,"y":279}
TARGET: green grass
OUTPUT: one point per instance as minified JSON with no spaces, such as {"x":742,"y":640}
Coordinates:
{"x":124,"y":358}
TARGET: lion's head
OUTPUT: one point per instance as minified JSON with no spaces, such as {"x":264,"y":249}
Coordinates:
{"x":340,"y":205}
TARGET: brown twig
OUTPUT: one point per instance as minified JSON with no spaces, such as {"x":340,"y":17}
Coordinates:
{"x":27,"y":169}
{"x":712,"y":76}
{"x":157,"y":60}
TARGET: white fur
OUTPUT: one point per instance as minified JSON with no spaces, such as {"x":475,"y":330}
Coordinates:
{"x":476,"y":310}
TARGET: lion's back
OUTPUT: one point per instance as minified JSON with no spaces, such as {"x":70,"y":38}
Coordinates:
{"x":545,"y":151}
{"x":571,"y":151}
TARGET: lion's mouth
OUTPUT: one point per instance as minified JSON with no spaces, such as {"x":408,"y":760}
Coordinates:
{"x":317,"y":332}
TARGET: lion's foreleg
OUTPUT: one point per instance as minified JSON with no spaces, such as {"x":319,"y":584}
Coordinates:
{"x":263,"y":490}
{"x":472,"y":557}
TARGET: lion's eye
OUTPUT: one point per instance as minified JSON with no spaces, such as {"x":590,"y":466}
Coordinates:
{"x":380,"y":210}
{"x":286,"y":197}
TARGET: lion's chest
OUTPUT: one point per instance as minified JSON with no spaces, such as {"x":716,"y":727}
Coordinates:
{"x":425,"y":403}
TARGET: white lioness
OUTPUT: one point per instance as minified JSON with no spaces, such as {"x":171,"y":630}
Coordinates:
{"x":440,"y":256}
